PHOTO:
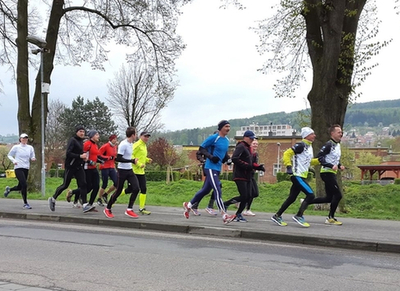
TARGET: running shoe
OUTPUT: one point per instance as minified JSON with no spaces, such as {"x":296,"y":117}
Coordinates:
{"x":88,"y":207}
{"x":300,"y":220}
{"x":278,"y":220}
{"x":107,"y":212}
{"x":211,"y":211}
{"x":69,"y":196}
{"x":105,"y":198}
{"x":332,"y":221}
{"x":186,"y":210}
{"x":100,"y":203}
{"x":240,"y":218}
{"x":26,"y":206}
{"x":248,"y":213}
{"x":143,"y":211}
{"x":52,"y":203}
{"x":76,"y":205}
{"x":130,"y":213}
{"x":195,"y":211}
{"x":7,"y":191}
{"x":226,"y":218}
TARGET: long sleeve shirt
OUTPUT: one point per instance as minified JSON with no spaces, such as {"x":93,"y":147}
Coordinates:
{"x":109,"y":151}
{"x":329,"y":156}
{"x":300,"y":157}
{"x":21,"y":155}
{"x":140,"y":152}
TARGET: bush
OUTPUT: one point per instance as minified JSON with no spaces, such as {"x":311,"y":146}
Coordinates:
{"x":226,"y":176}
{"x":187,"y":175}
{"x":161,"y":175}
{"x":55,"y":173}
{"x":282,"y":176}
{"x":396,"y":181}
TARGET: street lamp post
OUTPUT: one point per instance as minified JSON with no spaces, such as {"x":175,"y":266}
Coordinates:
{"x":44,"y":88}
{"x":278,"y":167}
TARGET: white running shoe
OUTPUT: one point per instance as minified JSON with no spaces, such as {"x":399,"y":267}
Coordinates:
{"x":248,"y":213}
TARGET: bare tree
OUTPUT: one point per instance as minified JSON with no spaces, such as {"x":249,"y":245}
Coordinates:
{"x":55,"y":140}
{"x":137,"y":95}
{"x":78,"y":33}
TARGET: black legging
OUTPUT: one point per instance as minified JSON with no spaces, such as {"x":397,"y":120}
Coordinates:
{"x":80,"y":177}
{"x":333,"y":194}
{"x":244,"y":189}
{"x":92,"y":185}
{"x":142,"y":185}
{"x":299,"y":184}
{"x":22,"y":176}
{"x":133,"y":184}
{"x":254,"y":193}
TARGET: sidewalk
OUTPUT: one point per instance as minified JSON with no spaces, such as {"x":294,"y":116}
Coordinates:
{"x":360,"y":234}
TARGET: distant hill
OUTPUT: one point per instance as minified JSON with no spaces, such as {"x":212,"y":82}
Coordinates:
{"x":371,"y":114}
{"x":376,"y":113}
{"x":8,"y":139}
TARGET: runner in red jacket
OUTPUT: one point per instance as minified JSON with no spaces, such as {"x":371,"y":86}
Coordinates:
{"x":108,"y":151}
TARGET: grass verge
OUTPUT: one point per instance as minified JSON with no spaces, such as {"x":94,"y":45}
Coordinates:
{"x":360,"y":201}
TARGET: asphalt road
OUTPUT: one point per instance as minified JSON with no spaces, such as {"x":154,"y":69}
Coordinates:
{"x":83,"y":257}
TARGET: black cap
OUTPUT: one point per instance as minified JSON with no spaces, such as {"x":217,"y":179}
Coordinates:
{"x":79,"y":127}
{"x":145,"y":133}
{"x":222,"y":123}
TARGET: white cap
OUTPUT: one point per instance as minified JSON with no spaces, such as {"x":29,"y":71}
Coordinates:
{"x":23,"y":135}
{"x":306,"y":131}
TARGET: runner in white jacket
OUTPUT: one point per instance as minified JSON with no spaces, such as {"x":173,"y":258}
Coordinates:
{"x":21,"y":155}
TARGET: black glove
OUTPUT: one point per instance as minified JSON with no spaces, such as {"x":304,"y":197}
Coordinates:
{"x":111,"y":158}
{"x":214,"y":159}
{"x":229,"y":162}
{"x":289,"y":170}
{"x":260,"y":168}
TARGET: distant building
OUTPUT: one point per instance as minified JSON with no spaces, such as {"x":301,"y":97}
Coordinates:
{"x":268,"y":130}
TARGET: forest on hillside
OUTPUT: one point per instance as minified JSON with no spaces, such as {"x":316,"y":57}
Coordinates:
{"x":368,"y":114}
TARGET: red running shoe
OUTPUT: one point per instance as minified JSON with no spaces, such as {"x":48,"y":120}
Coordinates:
{"x":108,"y":213}
{"x":187,"y":210}
{"x":226,"y":218}
{"x":130,"y":213}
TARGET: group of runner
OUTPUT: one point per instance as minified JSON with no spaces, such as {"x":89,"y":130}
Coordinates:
{"x":297,"y":160}
{"x":81,"y":163}
{"x":82,"y":159}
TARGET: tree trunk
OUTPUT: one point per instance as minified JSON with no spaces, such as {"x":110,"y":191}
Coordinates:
{"x":331,"y":34}
{"x":32,"y":123}
{"x":24,"y":117}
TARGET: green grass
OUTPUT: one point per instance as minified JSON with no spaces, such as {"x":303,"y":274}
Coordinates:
{"x":360,"y":201}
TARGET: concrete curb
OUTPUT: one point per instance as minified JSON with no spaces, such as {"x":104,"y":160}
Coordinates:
{"x":362,"y":245}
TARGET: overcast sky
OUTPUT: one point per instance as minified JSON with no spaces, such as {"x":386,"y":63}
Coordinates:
{"x":217,"y":72}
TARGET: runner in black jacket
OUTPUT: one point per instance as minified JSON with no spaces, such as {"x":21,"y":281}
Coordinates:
{"x":242,"y":159}
{"x":74,"y":161}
